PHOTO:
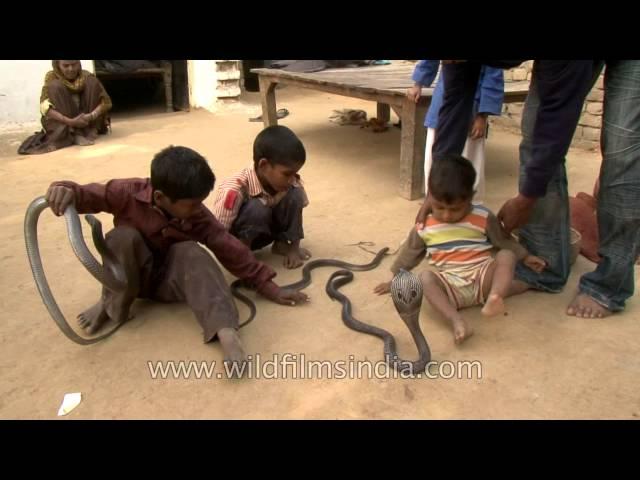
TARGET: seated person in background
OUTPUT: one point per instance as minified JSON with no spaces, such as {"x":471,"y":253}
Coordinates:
{"x":74,"y":107}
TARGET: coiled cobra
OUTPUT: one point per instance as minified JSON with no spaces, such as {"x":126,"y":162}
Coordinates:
{"x":111,"y":275}
{"x":406,"y":292}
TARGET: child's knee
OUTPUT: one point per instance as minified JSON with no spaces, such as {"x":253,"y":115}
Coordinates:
{"x":428,"y":279}
{"x":295,"y":197}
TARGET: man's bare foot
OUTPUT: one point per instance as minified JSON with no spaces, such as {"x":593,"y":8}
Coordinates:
{"x":82,"y":141}
{"x":293,"y":256}
{"x":234,"y":354}
{"x":92,"y":319}
{"x":584,"y":306}
{"x":461,"y":330}
{"x":493,"y":306}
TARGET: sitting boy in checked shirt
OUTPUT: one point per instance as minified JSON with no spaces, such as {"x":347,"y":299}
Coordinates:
{"x":263,"y":203}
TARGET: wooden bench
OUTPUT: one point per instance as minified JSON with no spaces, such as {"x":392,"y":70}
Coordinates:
{"x":165,"y":72}
{"x":386,"y":85}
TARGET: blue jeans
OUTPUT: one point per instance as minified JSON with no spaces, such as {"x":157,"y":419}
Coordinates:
{"x":547,"y":233}
{"x":612,"y":282}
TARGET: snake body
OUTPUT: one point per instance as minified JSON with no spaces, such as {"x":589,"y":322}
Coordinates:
{"x":406,"y":291}
{"x":306,"y":278}
{"x":111,"y":274}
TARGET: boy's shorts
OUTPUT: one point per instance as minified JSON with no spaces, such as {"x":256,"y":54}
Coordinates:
{"x":464,"y":285}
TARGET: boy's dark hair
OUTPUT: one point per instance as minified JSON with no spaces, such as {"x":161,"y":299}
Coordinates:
{"x":280,"y":146}
{"x":180,"y":172}
{"x":451,"y":178}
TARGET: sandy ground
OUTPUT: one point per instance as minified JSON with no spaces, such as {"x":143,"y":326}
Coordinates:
{"x":535,"y":362}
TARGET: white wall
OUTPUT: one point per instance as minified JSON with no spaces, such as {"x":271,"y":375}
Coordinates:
{"x":20,"y":85}
{"x":202,"y":83}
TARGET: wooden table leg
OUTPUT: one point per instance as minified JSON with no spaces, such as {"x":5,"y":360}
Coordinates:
{"x":412,"y":143}
{"x":268,"y":97}
{"x":383,"y":112}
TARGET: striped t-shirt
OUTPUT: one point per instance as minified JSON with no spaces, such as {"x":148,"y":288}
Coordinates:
{"x":456,"y":245}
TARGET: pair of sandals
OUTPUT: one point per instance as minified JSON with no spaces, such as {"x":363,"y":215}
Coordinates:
{"x":280,"y":114}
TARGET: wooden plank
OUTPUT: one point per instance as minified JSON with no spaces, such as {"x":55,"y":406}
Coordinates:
{"x":351,"y":81}
{"x":347,"y":91}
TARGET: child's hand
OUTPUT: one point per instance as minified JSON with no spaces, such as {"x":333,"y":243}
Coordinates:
{"x":536,"y":264}
{"x":381,"y":289}
{"x":59,"y":198}
{"x":414,"y":93}
{"x":290,"y":297}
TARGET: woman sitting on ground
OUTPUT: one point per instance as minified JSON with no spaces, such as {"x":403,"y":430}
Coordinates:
{"x":74,"y":107}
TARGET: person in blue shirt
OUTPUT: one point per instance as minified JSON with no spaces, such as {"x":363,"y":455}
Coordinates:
{"x":488,"y":101}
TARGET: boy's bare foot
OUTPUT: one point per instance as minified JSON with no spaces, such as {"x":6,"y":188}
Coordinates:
{"x":82,"y":141}
{"x":117,"y":309}
{"x":293,"y":256}
{"x":233,"y":352}
{"x":461,"y":330}
{"x":584,"y":306}
{"x":92,"y":319}
{"x":493,"y":306}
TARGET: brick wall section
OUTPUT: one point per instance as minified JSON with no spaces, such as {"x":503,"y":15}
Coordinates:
{"x":227,"y":79}
{"x":588,"y":131}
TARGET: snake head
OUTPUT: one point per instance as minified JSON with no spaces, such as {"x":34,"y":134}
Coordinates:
{"x":406,"y":291}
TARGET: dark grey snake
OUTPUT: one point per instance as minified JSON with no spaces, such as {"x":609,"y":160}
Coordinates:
{"x":406,"y":292}
{"x":306,"y":278}
{"x":112,"y":277}
{"x":404,"y":288}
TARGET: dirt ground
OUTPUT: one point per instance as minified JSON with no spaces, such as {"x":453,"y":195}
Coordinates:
{"x":536,"y":362}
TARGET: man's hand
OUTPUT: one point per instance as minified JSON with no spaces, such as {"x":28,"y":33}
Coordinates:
{"x":414,"y":93}
{"x":515,"y":212}
{"x":478,"y":127}
{"x":59,"y":199}
{"x":536,"y":264}
{"x":423,"y":213}
{"x":290,"y":297}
